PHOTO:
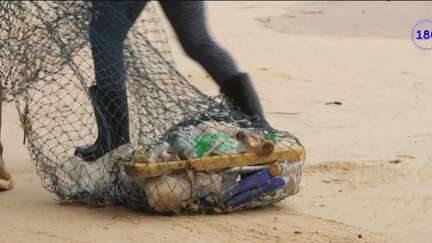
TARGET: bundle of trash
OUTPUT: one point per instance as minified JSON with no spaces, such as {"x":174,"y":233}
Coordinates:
{"x":187,"y":151}
{"x":211,"y":167}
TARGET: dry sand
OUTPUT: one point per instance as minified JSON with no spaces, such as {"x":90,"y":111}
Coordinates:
{"x":368,"y":172}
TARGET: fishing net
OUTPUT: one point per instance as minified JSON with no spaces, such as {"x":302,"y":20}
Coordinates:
{"x":185,"y":151}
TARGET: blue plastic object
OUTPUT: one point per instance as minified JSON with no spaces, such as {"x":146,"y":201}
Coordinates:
{"x":268,"y":186}
{"x":246,"y":184}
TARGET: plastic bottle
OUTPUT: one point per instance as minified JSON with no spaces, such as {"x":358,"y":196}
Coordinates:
{"x":270,"y":135}
{"x":217,"y":143}
{"x":282,"y":169}
{"x":207,"y":184}
{"x":247,"y":169}
{"x":181,"y":144}
{"x":255,"y":143}
{"x":244,"y":197}
{"x":245,"y":184}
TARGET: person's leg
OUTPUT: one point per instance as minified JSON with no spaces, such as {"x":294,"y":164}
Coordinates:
{"x":111,"y":21}
{"x":6,"y":181}
{"x":189,"y":22}
{"x":110,"y":24}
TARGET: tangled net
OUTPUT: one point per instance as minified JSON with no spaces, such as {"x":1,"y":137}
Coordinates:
{"x":46,"y":67}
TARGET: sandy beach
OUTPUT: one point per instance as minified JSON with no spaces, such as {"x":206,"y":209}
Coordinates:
{"x":344,"y":77}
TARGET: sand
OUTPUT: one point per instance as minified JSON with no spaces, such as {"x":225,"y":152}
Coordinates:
{"x":343,"y":77}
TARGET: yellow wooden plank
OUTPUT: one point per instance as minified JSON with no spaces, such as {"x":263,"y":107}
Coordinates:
{"x":215,"y":163}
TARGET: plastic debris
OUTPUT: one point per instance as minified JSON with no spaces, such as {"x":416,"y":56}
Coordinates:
{"x":216,"y":143}
{"x":268,"y":186}
{"x":169,"y":193}
{"x":225,"y":190}
{"x":172,"y":125}
{"x":246,"y":184}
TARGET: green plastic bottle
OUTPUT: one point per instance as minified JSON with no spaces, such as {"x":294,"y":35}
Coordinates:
{"x":270,"y":135}
{"x":216,"y":143}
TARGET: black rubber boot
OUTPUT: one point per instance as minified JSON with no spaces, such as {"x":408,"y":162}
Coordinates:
{"x":112,"y":118}
{"x":102,"y":144}
{"x":242,"y":93}
{"x":116,"y":101}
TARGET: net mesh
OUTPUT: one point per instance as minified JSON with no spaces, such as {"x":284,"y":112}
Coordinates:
{"x":47,"y":69}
